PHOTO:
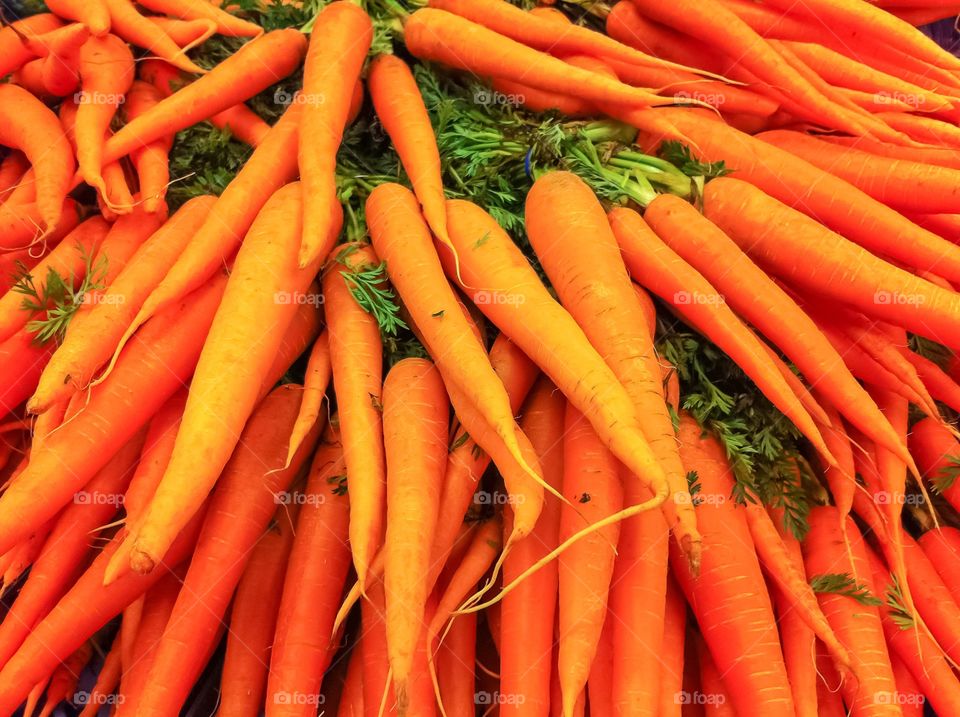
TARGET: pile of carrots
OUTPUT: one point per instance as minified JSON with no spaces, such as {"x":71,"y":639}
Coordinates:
{"x":215,"y":470}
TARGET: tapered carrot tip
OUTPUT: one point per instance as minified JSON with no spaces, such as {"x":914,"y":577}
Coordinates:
{"x":403,"y":699}
{"x":140,"y":562}
{"x":118,"y":566}
{"x":692,"y":549}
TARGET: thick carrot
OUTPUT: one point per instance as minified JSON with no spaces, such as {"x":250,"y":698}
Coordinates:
{"x":127,"y":22}
{"x":440,"y":36}
{"x":29,"y":126}
{"x":657,"y":267}
{"x":839,"y":205}
{"x":511,"y":295}
{"x":254,"y":67}
{"x":351,"y":698}
{"x":934,"y":600}
{"x":937,"y":452}
{"x":903,"y":185}
{"x":315,"y":575}
{"x":59,"y":70}
{"x":93,"y":336}
{"x":246,"y":332}
{"x":398,"y":104}
{"x":938,"y":156}
{"x":92,"y":13}
{"x":942,"y":548}
{"x":415,"y":436}
{"x":591,"y":484}
{"x":187,"y":34}
{"x":62,"y":557}
{"x":826,"y":550}
{"x":272,"y":165}
{"x":456,"y":671}
{"x":593,"y":285}
{"x":226,"y":24}
{"x":239,"y":511}
{"x":339,"y":42}
{"x":402,"y":239}
{"x":151,"y":161}
{"x":159,"y":361}
{"x":773,"y":235}
{"x":15,"y":48}
{"x":21,"y":226}
{"x":106,"y":73}
{"x":924,"y":129}
{"x":729,"y":596}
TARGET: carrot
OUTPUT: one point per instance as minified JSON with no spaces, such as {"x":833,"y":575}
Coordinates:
{"x":540,"y":33}
{"x":600,"y":683}
{"x":13,"y":167}
{"x":415,"y":436}
{"x":62,"y":557}
{"x":15,"y":51}
{"x":402,"y":240}
{"x":513,"y":297}
{"x":658,"y":268}
{"x":21,"y":226}
{"x":908,"y":695}
{"x":729,"y":597}
{"x":591,"y":482}
{"x":156,"y":365}
{"x":186,"y":34}
{"x":922,"y":656}
{"x":456,"y":668}
{"x":339,"y":42}
{"x":23,"y":359}
{"x":271,"y":166}
{"x":65,"y":678}
{"x":942,"y":548}
{"x":92,"y":337}
{"x":351,"y":699}
{"x":440,"y":36}
{"x":254,"y":67}
{"x":108,"y":679}
{"x":151,"y":161}
{"x":398,"y":104}
{"x":558,"y":208}
{"x":903,"y":185}
{"x":936,"y":451}
{"x":878,"y":289}
{"x":27,"y":125}
{"x":59,"y":73}
{"x":226,"y":24}
{"x":227,"y":378}
{"x":126,"y":22}
{"x":316,"y":380}
{"x":92,"y":13}
{"x":239,"y":511}
{"x":857,"y":625}
{"x":355,"y":354}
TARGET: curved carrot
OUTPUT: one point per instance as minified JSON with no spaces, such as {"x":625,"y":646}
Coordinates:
{"x":356,"y":355}
{"x":239,"y":511}
{"x":128,"y":23}
{"x":593,"y":285}
{"x":936,"y":451}
{"x":226,"y":383}
{"x":398,"y":104}
{"x":878,"y":288}
{"x":15,"y":48}
{"x":769,"y":308}
{"x":657,"y":267}
{"x":92,"y":13}
{"x":260,"y":63}
{"x":187,"y":34}
{"x":27,"y":125}
{"x":150,"y":161}
{"x":729,"y":597}
{"x":339,"y":42}
{"x":591,"y":482}
{"x":511,"y":295}
{"x":226,"y":24}
{"x":415,"y":435}
{"x":59,"y":68}
{"x":315,"y":382}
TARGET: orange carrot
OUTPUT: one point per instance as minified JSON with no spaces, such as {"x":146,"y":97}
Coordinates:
{"x":128,"y":23}
{"x":92,"y":13}
{"x":351,"y":699}
{"x":456,"y":668}
{"x":226,"y":24}
{"x":150,"y":161}
{"x":59,"y":69}
{"x":108,"y":679}
{"x":356,"y":355}
{"x":317,"y":569}
{"x":937,"y":452}
{"x":226,"y":384}
{"x":65,"y":678}
{"x":27,"y":125}
{"x":591,"y":482}
{"x":415,"y":436}
{"x":186,"y":34}
{"x":942,"y":548}
{"x":15,"y":48}
{"x":729,"y":597}
{"x":339,"y":42}
{"x":316,"y":380}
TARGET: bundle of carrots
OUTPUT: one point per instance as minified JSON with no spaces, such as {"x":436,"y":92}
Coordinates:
{"x":474,"y":359}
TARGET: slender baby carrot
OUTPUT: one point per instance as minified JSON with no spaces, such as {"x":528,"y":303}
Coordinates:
{"x":415,"y":435}
{"x":226,"y":24}
{"x":356,"y":355}
{"x":339,"y":42}
{"x":315,"y":382}
{"x":150,"y":161}
{"x":127,"y":22}
{"x":108,"y":679}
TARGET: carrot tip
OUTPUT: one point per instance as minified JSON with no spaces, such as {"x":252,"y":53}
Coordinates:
{"x":141,"y":562}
